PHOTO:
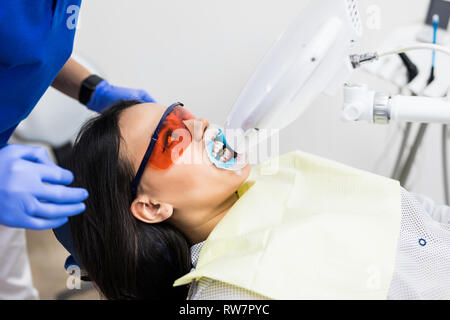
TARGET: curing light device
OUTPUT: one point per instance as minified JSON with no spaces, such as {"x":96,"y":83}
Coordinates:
{"x":313,"y":56}
{"x":310,"y":57}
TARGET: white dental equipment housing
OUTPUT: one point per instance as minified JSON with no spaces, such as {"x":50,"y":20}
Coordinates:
{"x":313,"y":56}
{"x":360,"y":104}
{"x":310,"y":57}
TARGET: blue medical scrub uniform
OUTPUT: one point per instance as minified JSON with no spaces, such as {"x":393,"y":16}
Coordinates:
{"x":36,"y":40}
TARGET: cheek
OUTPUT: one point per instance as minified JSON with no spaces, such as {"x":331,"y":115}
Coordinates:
{"x":167,"y":186}
{"x":179,"y":182}
{"x":203,"y":174}
{"x":187,"y":184}
{"x":194,"y":154}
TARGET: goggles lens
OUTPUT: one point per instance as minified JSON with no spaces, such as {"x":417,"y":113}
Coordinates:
{"x":173,"y":139}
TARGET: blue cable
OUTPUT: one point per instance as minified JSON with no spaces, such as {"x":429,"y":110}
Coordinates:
{"x":433,"y":57}
{"x":435,"y":29}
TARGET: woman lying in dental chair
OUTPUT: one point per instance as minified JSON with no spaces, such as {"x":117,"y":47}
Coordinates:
{"x":311,"y":229}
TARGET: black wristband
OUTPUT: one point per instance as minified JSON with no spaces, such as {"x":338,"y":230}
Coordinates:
{"x":88,"y":87}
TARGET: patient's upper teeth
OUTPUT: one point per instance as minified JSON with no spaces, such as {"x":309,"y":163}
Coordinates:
{"x":226,"y":156}
{"x":218,"y":145}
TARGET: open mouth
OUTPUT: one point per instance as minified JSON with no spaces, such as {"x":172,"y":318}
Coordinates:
{"x":218,"y":146}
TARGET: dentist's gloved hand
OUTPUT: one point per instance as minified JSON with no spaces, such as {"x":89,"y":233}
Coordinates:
{"x":105,"y":95}
{"x":33,"y":194}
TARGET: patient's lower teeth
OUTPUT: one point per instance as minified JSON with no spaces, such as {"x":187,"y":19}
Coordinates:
{"x":219,"y":153}
{"x":217,"y":148}
{"x":226,"y":156}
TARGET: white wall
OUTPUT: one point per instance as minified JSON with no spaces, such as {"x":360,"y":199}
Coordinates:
{"x":202,"y":52}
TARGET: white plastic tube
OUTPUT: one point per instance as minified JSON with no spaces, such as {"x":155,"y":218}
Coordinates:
{"x":418,"y":46}
{"x":420,"y":109}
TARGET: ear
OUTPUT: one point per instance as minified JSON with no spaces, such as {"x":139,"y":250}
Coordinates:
{"x":149,"y":211}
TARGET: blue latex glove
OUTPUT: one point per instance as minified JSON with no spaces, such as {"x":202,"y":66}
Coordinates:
{"x":33,"y":194}
{"x":105,"y":95}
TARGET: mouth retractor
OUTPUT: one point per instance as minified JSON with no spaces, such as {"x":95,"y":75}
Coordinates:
{"x":220,"y":154}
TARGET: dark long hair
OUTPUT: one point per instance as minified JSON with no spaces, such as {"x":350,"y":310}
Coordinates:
{"x":126,"y":258}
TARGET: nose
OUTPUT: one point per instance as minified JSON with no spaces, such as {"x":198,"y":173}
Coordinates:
{"x":197,"y":127}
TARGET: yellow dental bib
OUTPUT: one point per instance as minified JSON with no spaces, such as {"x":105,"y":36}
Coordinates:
{"x":307,"y":228}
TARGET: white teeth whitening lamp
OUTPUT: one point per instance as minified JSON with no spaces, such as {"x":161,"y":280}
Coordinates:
{"x":313,"y":56}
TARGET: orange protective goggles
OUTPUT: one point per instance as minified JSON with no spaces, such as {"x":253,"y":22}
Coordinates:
{"x":168,"y":142}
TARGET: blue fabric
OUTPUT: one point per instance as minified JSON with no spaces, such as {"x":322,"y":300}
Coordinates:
{"x":70,"y":261}
{"x":36,"y":40}
{"x":64,"y":236}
